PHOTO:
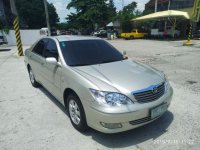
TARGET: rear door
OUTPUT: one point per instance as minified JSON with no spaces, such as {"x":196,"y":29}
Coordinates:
{"x":37,"y":59}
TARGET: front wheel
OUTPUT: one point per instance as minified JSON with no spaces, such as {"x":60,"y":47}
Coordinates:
{"x":32,"y":78}
{"x":76,"y":113}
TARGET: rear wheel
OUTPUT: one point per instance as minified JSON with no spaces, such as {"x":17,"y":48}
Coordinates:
{"x":76,"y":113}
{"x":32,"y":78}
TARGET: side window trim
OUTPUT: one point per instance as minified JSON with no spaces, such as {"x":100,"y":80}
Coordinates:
{"x":46,"y":45}
{"x":42,"y":50}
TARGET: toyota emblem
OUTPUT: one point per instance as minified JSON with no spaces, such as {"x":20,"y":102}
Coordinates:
{"x":154,"y":90}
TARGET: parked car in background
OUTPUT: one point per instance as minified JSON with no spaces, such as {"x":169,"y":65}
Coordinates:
{"x":100,"y":33}
{"x":63,"y":32}
{"x":97,"y":84}
{"x":2,"y":40}
{"x":134,"y":34}
{"x":45,"y":32}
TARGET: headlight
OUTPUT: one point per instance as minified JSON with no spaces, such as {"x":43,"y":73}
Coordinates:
{"x":110,"y":98}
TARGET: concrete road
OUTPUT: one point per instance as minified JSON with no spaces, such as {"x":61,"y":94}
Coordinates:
{"x":31,"y":119}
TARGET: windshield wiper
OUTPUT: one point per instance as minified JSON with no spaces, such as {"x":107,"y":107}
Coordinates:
{"x":74,"y":65}
{"x":109,"y":61}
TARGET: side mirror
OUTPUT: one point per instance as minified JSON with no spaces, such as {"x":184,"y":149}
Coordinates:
{"x":124,"y":54}
{"x":51,"y":60}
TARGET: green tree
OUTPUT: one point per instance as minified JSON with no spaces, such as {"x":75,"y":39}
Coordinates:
{"x":111,"y":10}
{"x":147,"y":11}
{"x":32,"y":12}
{"x":3,"y":27}
{"x":126,"y":14}
{"x":90,"y":13}
{"x":130,"y":8}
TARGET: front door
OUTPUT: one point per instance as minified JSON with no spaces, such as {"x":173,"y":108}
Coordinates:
{"x":52,"y":73}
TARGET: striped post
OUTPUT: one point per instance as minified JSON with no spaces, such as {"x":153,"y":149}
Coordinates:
{"x":18,"y":36}
{"x":188,"y":42}
{"x":190,"y":32}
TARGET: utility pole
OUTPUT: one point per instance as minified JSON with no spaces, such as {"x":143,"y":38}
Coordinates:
{"x":47,"y":17}
{"x":122,"y":4}
{"x":13,"y":7}
{"x":169,"y":4}
{"x":156,"y":5}
{"x":16,"y":27}
{"x":196,"y":11}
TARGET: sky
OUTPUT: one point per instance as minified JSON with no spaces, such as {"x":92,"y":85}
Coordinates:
{"x":60,"y":6}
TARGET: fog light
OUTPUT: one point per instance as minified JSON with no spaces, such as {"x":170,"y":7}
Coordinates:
{"x":111,"y":125}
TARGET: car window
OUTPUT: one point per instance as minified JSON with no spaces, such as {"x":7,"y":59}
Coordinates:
{"x":89,"y":52}
{"x":39,"y":47}
{"x":51,"y":49}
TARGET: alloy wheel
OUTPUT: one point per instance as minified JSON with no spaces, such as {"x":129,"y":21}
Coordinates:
{"x":74,"y":112}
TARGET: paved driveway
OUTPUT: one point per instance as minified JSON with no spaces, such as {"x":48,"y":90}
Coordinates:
{"x":32,"y":119}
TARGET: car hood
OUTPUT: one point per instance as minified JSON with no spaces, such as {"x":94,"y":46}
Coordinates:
{"x":124,"y":76}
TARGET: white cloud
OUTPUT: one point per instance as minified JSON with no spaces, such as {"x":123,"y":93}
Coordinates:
{"x":61,"y":9}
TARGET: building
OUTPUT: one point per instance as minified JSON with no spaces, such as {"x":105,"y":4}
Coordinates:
{"x":169,"y":4}
{"x":181,"y":5}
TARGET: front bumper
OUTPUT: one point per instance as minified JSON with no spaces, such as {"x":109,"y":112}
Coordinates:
{"x":137,"y":116}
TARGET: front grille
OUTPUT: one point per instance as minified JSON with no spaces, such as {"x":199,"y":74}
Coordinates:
{"x":139,"y":121}
{"x":142,"y":120}
{"x":152,"y":93}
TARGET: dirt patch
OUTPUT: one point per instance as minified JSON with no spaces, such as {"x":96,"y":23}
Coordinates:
{"x":191,"y":82}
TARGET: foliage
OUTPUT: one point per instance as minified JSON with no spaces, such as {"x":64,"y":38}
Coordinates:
{"x":90,"y":13}
{"x":33,"y":13}
{"x":62,"y":26}
{"x":147,"y":11}
{"x":3,"y":27}
{"x":129,"y":12}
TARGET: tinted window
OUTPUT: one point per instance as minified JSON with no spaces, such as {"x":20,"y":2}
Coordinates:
{"x":89,"y":52}
{"x":51,"y":49}
{"x":39,"y":47}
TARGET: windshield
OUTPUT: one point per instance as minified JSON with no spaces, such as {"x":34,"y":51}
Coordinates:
{"x":89,"y":52}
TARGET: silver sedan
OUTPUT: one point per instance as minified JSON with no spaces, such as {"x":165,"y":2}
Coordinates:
{"x":99,"y":86}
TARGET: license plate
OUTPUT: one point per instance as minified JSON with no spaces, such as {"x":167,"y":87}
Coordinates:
{"x":157,"y":111}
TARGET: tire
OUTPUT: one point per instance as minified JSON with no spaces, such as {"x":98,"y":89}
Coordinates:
{"x":32,"y":78}
{"x":131,"y":37}
{"x":76,"y":113}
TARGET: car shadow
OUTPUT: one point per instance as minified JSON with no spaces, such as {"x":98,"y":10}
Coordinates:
{"x":53,"y":99}
{"x":124,"y":139}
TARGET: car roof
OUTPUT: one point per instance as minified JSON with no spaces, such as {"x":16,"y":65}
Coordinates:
{"x":62,"y":38}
